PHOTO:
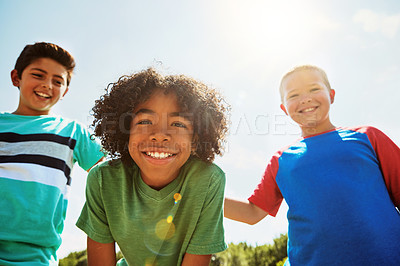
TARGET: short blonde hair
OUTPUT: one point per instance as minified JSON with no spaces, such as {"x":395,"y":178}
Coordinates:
{"x":302,"y":68}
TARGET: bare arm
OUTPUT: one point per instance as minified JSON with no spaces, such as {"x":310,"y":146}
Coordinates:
{"x":243,"y":211}
{"x":100,"y":254}
{"x":196,"y":260}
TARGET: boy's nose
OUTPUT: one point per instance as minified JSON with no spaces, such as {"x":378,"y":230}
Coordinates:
{"x":160,"y":135}
{"x":47,"y":84}
{"x":306,"y":99}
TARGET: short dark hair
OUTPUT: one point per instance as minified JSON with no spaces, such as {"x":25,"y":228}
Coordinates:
{"x":31,"y":52}
{"x":113,"y":111}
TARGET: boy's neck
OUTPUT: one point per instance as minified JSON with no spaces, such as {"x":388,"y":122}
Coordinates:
{"x":310,"y":131}
{"x":158,"y":182}
{"x":29,"y":112}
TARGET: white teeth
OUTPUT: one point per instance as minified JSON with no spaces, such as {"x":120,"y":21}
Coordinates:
{"x":308,"y":109}
{"x":159,"y":155}
{"x":42,"y":94}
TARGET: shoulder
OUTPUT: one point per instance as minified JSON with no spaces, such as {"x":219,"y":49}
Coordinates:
{"x":197,"y":166}
{"x":75,"y":125}
{"x":292,"y":148}
{"x":76,"y":130}
{"x":4,"y":114}
{"x":203,"y":180}
{"x":56,"y":124}
{"x":362,"y":129}
{"x":286,"y":156}
{"x":113,"y":169}
{"x":103,"y":170}
{"x":199,"y":172}
{"x":370,"y":131}
{"x":108,"y":166}
{"x":44,"y":124}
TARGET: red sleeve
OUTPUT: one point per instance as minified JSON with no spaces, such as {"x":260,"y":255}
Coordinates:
{"x":389,"y":159}
{"x":267,"y":195}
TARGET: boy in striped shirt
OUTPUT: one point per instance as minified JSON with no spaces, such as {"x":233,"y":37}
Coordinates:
{"x":37,"y":153}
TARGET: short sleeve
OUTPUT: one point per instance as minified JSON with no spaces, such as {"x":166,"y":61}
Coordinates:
{"x":88,"y":149}
{"x":93,"y":219}
{"x":267,"y":194}
{"x":388,"y":154}
{"x":208,"y":237}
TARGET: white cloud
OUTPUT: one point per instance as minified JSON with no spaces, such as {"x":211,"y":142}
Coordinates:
{"x":371,"y":21}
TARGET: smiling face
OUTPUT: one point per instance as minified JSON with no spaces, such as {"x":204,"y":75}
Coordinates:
{"x":307,"y":100}
{"x":160,"y":140}
{"x":42,"y":84}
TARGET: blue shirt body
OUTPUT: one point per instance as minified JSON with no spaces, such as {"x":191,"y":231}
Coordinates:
{"x":340,"y":209}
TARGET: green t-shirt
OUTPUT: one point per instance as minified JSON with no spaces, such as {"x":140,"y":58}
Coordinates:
{"x":156,"y":226}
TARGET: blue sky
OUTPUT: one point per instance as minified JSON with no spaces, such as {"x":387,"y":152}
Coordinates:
{"x":241,"y":48}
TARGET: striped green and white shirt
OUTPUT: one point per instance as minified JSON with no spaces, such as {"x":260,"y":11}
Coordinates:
{"x":37,"y":154}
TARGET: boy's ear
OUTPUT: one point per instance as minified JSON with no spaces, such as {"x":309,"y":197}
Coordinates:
{"x":65,"y":92}
{"x":14,"y":78}
{"x":332,"y":95}
{"x":284,"y":109}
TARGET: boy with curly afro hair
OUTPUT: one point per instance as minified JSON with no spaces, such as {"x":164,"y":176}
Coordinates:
{"x":160,"y":197}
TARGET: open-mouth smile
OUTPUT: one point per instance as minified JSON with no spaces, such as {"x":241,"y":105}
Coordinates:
{"x":308,"y":110}
{"x":159,"y":155}
{"x":42,"y":95}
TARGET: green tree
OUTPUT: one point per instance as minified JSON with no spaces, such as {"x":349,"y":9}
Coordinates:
{"x":79,"y":259}
{"x":244,"y":255}
{"x":282,"y":262}
{"x":240,"y":254}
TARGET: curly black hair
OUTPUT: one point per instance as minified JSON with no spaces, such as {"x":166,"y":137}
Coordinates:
{"x":113,"y":111}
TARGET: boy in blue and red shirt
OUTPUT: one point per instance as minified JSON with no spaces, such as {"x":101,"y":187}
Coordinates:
{"x":342,"y":185}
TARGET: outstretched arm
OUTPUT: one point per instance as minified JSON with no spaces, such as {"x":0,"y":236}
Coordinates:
{"x":100,"y":254}
{"x":243,"y":211}
{"x":196,"y":260}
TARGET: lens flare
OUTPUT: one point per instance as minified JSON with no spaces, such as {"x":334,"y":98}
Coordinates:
{"x":165,"y":228}
{"x":151,"y":262}
{"x":177,"y":197}
{"x":169,"y":219}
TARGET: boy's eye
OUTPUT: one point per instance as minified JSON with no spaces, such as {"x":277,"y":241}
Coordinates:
{"x":37,"y":75}
{"x":144,"y":122}
{"x":293,"y":96}
{"x":59,"y":83}
{"x":178,"y":124}
{"x":314,"y":89}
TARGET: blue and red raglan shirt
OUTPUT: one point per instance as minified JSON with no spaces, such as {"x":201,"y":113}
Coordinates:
{"x":342,"y":188}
